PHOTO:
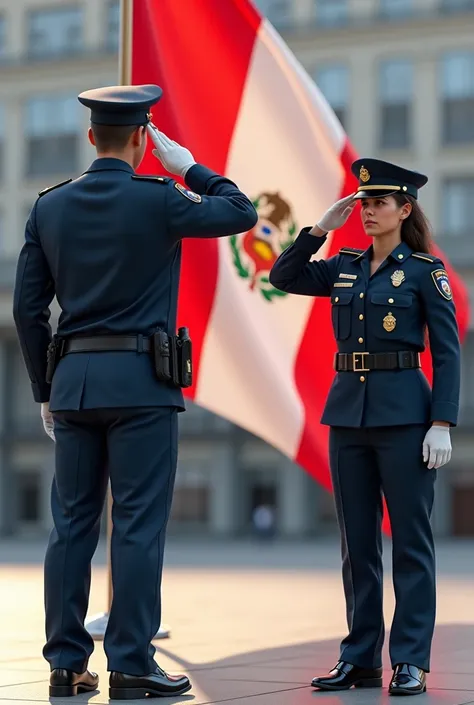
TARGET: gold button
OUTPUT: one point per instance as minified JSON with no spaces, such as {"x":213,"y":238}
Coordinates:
{"x":361,"y":295}
{"x":336,"y":300}
{"x":400,"y":256}
{"x":361,"y":316}
{"x":361,"y":340}
{"x":405,"y":188}
{"x":390,"y":301}
{"x":362,"y":378}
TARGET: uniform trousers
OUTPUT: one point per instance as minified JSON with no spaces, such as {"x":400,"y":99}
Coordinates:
{"x":366,"y":464}
{"x":137,"y":448}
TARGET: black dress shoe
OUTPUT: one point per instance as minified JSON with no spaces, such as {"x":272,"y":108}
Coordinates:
{"x":64,"y":683}
{"x":345,"y":675}
{"x":157,"y":684}
{"x":407,"y":680}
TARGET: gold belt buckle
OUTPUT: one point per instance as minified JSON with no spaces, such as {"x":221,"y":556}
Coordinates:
{"x":360,"y":355}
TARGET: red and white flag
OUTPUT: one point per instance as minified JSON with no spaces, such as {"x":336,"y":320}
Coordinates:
{"x":237,"y":97}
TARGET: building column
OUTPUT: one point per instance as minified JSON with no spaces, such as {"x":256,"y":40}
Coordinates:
{"x":7,"y":477}
{"x":297,"y":502}
{"x":226,"y":490}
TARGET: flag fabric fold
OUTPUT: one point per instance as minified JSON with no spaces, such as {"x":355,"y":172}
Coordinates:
{"x":236,"y":96}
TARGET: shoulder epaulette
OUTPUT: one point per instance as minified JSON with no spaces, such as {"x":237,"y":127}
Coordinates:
{"x":144,"y":177}
{"x":426,"y":257}
{"x":50,"y":188}
{"x":350,"y":251}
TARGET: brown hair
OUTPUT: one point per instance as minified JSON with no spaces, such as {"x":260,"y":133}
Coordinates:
{"x":110,"y":138}
{"x":416,"y":229}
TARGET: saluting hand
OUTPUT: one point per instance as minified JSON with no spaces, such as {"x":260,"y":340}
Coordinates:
{"x":336,"y":216}
{"x":176,"y":159}
{"x":437,"y":447}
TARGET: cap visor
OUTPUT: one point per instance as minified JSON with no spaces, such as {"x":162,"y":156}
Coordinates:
{"x":374,"y":193}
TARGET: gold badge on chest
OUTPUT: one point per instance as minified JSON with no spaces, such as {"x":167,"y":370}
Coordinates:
{"x":398,"y":277}
{"x":389,"y":322}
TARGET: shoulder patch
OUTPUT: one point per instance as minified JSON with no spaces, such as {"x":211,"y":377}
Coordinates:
{"x":350,"y":251}
{"x":51,"y":188}
{"x":144,"y":177}
{"x":194,"y":197}
{"x":425,"y":257}
{"x":441,"y":282}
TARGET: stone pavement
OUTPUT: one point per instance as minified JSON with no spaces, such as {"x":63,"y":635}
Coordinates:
{"x":251,"y":624}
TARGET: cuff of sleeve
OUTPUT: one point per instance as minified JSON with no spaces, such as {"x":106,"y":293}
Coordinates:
{"x":444,"y":411}
{"x":309,"y":243}
{"x":198,"y":176}
{"x":41,"y":392}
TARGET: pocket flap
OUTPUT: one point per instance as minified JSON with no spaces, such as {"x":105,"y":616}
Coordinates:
{"x":342,"y":299}
{"x":400,"y":300}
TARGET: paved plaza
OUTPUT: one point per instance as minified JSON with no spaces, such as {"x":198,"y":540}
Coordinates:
{"x":250,"y":623}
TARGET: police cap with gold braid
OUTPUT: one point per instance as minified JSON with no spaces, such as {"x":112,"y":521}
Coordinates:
{"x":121,"y":105}
{"x":379,"y":178}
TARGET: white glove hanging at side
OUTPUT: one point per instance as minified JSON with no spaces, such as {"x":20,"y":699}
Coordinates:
{"x":48,"y":420}
{"x":338,"y":214}
{"x":437,"y":447}
{"x":176,"y":159}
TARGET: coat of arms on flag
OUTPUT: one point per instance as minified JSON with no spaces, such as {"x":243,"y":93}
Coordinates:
{"x":255,"y":252}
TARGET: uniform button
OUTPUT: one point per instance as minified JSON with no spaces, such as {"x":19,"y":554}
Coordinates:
{"x":400,"y":256}
{"x":362,"y":378}
{"x":361,"y":340}
{"x":390,"y":301}
{"x":361,"y":316}
{"x":336,"y":299}
{"x":361,"y":295}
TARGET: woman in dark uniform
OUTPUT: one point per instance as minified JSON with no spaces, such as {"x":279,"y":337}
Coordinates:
{"x":389,"y":432}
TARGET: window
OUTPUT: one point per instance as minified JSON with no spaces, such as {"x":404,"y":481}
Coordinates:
{"x":52,"y":126}
{"x":331,"y":13}
{"x":333,"y":82}
{"x":279,"y":12}
{"x":55,"y":32}
{"x":457,"y":200}
{"x":395,"y":91}
{"x":396,"y":9}
{"x":448,"y":6}
{"x":3,"y":36}
{"x":113,"y":25}
{"x":457,"y":86}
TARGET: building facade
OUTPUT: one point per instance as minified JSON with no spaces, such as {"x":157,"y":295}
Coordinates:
{"x":400,"y":76}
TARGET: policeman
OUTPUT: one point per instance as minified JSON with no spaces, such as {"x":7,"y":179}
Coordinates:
{"x":388,"y":431}
{"x":108,"y":245}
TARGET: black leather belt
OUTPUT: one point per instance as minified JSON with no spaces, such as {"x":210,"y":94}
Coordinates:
{"x":366,"y":362}
{"x":107,"y":343}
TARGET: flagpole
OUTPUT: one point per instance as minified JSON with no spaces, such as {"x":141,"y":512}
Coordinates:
{"x":97,"y":625}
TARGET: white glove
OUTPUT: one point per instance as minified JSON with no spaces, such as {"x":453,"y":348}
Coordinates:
{"x":176,"y":159}
{"x":337,"y":215}
{"x":48,"y":421}
{"x":437,"y":447}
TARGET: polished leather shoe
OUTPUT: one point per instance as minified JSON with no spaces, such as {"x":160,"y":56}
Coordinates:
{"x":157,"y":684}
{"x":345,"y":675}
{"x":64,"y":683}
{"x":407,"y":680}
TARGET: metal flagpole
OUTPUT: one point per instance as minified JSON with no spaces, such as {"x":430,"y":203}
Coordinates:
{"x":97,"y":624}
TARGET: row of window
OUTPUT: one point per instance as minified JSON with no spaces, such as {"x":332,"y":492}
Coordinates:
{"x":60,"y":31}
{"x":396,"y":92}
{"x":333,"y":13}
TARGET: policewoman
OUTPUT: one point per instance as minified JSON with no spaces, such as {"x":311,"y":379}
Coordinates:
{"x":389,"y":432}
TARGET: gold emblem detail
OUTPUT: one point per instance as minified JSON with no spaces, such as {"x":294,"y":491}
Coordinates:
{"x":398,"y":277}
{"x":389,"y":322}
{"x":364,"y":174}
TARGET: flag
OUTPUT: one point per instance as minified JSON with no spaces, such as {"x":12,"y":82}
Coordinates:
{"x":237,"y":97}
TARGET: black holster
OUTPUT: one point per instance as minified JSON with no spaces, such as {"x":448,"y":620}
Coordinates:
{"x":172,"y":357}
{"x":53,"y":355}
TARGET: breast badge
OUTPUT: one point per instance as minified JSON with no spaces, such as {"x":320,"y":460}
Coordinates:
{"x":389,"y":322}
{"x":398,"y":277}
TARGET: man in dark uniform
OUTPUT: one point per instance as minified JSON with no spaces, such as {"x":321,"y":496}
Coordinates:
{"x":108,"y":246}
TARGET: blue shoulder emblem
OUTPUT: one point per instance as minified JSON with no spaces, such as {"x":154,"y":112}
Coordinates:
{"x":441,"y":282}
{"x":194,"y":197}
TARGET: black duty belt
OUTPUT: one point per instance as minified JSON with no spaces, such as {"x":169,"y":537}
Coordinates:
{"x":107,"y":343}
{"x":366,"y":362}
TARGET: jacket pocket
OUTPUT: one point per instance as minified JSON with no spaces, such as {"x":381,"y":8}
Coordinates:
{"x":342,"y":314}
{"x":391,"y":317}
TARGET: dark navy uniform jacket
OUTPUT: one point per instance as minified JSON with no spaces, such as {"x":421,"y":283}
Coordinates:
{"x":363,"y":309}
{"x":108,"y":245}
